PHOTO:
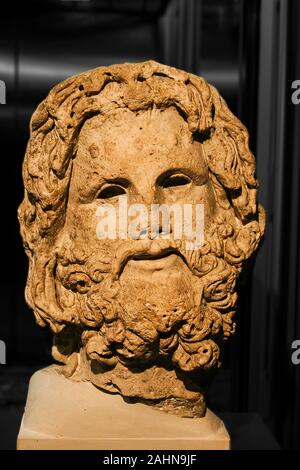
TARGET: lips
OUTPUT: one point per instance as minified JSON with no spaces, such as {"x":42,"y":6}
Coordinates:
{"x":150,"y":254}
{"x":147,"y":262}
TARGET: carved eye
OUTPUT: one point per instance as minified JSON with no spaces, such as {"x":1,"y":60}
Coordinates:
{"x":111,"y":191}
{"x":173,"y":181}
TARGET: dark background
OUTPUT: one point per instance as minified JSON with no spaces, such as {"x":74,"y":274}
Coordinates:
{"x":250,"y":50}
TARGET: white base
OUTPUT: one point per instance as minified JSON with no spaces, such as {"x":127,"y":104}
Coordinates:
{"x":64,"y":414}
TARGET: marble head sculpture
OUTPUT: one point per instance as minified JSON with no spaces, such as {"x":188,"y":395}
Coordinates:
{"x":143,"y":316}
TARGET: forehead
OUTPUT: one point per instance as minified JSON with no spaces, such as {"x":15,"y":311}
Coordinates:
{"x":132,"y":140}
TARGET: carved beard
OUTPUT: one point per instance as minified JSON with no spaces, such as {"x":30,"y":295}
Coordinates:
{"x":149,"y":337}
{"x":180,"y":315}
{"x":151,"y":317}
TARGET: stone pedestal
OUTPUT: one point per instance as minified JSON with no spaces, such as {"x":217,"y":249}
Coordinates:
{"x":63,"y":414}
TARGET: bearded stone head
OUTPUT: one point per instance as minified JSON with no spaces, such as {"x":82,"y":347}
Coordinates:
{"x":144,"y":316}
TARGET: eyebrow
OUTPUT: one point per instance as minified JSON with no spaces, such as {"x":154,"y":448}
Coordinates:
{"x":118,"y":180}
{"x":194,"y":175}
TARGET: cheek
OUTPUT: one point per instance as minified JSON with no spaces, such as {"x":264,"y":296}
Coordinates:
{"x":81,"y":225}
{"x":205,"y":195}
{"x":210,"y":205}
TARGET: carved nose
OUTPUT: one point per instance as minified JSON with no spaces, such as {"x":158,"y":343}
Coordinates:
{"x":160,"y":230}
{"x":153,"y":231}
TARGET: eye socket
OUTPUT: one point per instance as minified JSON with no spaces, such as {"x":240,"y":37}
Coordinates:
{"x":173,"y":181}
{"x":111,"y":191}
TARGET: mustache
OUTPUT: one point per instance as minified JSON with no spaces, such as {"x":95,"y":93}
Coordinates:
{"x":145,"y":249}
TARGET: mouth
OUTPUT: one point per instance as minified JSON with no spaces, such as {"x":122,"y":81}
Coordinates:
{"x":147,"y":256}
{"x":157,"y":262}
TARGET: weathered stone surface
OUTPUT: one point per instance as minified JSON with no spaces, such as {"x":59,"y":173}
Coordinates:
{"x":143,"y":316}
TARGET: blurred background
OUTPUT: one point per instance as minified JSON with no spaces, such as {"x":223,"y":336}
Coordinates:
{"x":250,"y":50}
